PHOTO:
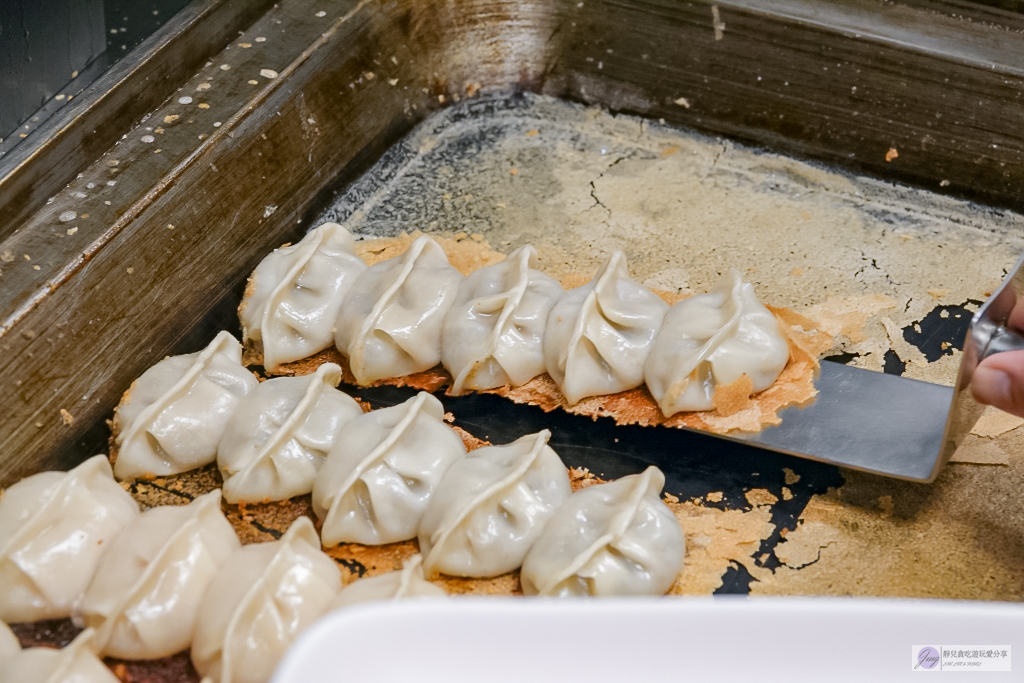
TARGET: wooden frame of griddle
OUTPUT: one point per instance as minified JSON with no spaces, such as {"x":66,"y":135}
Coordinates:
{"x":841,"y":81}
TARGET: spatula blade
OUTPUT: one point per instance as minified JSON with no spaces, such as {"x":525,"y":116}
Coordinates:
{"x":867,"y":421}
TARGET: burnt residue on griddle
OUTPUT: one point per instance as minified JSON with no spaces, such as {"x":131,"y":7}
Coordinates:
{"x":941,"y":331}
{"x":735,"y":580}
{"x":58,"y":633}
{"x":47,"y":633}
{"x":935,"y":335}
{"x":267,"y":530}
{"x":586,"y":184}
{"x":174,"y":669}
{"x":803,"y":479}
{"x":693,"y":462}
{"x":354,"y":566}
{"x":844,"y":358}
{"x":135,"y":488}
{"x":892,"y":363}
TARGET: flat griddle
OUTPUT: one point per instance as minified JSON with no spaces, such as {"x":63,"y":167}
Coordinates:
{"x":817,"y":79}
{"x":466,"y":151}
{"x":454,"y":153}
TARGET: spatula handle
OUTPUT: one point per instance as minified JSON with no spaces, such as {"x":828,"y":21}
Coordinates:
{"x":994,"y":339}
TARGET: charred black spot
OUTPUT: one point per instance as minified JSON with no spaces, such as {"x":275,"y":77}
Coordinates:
{"x":267,"y":530}
{"x":352,"y":565}
{"x":892,"y":363}
{"x":736,"y":579}
{"x":843,"y":358}
{"x":55,"y":633}
{"x":942,"y":330}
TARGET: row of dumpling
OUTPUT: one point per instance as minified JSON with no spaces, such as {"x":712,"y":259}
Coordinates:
{"x":268,"y":438}
{"x":386,"y":476}
{"x":250,"y":633}
{"x":507,"y":323}
{"x":400,"y":473}
{"x":147,"y":585}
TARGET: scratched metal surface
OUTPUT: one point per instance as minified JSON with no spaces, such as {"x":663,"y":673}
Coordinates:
{"x":579,"y":182}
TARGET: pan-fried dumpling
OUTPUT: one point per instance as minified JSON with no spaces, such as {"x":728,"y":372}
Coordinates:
{"x":76,"y":663}
{"x":714,"y":339}
{"x":280,"y":435}
{"x":494,"y":334}
{"x":54,"y":528}
{"x":173,"y":416}
{"x":146,"y":593}
{"x":490,"y":506}
{"x":381,"y":472}
{"x":390,"y":322}
{"x":407,"y":583}
{"x":295,"y":293}
{"x":264,"y":596}
{"x":9,"y":644}
{"x":599,"y":335}
{"x":615,"y":539}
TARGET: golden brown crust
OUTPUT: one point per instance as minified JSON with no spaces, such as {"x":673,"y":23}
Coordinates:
{"x":795,"y":386}
{"x":112,"y":440}
{"x":734,"y":534}
{"x":261,"y":522}
{"x":430,"y":380}
{"x":465,"y":252}
{"x":730,"y":399}
{"x":250,"y":289}
{"x":251,"y":354}
{"x":115,"y":429}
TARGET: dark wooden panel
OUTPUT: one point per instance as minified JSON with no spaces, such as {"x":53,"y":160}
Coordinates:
{"x":73,"y":137}
{"x":146,"y":290}
{"x":47,"y":252}
{"x":81,"y":345}
{"x":825,"y":80}
{"x":34,"y":66}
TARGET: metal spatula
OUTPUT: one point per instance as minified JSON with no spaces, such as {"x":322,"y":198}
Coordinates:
{"x":893,"y":425}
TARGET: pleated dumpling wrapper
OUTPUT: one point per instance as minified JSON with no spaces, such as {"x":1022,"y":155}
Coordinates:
{"x":490,"y":506}
{"x":494,"y":334}
{"x":390,"y":322}
{"x":381,"y":472}
{"x":614,"y":539}
{"x":173,"y":416}
{"x":9,"y":643}
{"x":295,"y":293}
{"x":263,"y":598}
{"x":599,"y":335}
{"x":714,"y":339}
{"x":279,"y":436}
{"x":75,"y":663}
{"x":406,"y":583}
{"x":146,"y":593}
{"x":54,"y":528}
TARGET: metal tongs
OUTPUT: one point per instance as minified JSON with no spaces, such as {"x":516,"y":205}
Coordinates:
{"x":891,"y":425}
